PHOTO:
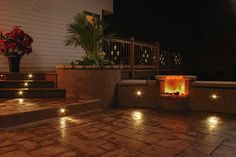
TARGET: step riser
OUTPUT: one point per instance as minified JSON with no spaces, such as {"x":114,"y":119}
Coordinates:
{"x":30,"y":85}
{"x":37,"y":86}
{"x":33,"y":94}
{"x":22,"y":77}
{"x":22,"y":118}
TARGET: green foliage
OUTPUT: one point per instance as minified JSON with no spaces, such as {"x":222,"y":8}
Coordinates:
{"x":87,"y":31}
{"x":92,"y":59}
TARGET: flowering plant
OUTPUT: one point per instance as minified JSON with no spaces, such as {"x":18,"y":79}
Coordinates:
{"x":15,"y":42}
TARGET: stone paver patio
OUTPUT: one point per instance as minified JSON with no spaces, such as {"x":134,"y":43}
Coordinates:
{"x":124,"y":133}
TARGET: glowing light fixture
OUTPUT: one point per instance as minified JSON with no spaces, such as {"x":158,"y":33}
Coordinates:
{"x":30,"y":76}
{"x":20,"y":93}
{"x":214,"y":96}
{"x":62,"y":111}
{"x":26,"y":84}
{"x":139,"y":93}
{"x":1,"y":75}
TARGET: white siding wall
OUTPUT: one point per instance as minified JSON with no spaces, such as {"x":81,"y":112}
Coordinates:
{"x":45,"y":21}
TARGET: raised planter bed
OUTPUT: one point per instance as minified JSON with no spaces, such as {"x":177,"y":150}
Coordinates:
{"x":90,"y":82}
{"x":139,"y":93}
{"x":213,"y":96}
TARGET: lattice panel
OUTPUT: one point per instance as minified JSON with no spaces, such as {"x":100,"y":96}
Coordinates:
{"x":117,"y":52}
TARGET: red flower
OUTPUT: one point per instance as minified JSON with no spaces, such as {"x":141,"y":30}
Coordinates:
{"x":15,"y":41}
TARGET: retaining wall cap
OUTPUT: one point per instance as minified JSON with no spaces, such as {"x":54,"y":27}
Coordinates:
{"x":133,"y":82}
{"x":214,"y":84}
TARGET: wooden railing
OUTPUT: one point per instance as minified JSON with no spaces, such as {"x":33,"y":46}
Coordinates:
{"x":134,"y":55}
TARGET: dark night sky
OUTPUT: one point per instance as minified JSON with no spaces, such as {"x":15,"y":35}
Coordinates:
{"x":205,"y":30}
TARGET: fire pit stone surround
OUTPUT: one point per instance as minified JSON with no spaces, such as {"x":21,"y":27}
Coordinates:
{"x":174,"y":91}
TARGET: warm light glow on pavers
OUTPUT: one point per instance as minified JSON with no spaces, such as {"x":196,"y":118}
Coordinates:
{"x":115,"y":133}
{"x":21,"y":101}
{"x":213,"y":122}
{"x":137,"y":116}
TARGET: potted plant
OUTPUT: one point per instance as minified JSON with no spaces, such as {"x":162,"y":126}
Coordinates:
{"x":87,"y":31}
{"x":15,"y":44}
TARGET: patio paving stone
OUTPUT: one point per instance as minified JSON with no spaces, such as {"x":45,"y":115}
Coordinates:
{"x":123,"y":133}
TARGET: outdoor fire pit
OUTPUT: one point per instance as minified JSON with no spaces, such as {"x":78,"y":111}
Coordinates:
{"x":174,"y":91}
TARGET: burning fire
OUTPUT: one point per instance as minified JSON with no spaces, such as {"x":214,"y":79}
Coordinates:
{"x":174,"y":85}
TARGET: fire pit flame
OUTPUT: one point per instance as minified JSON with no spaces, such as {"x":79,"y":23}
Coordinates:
{"x":174,"y":85}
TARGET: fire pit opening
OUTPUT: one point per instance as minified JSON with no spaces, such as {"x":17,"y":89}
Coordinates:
{"x":174,"y":85}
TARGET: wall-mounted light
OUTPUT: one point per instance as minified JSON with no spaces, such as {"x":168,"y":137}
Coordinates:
{"x":26,"y":84}
{"x":30,"y":76}
{"x":214,"y":96}
{"x":20,"y":93}
{"x":1,"y":75}
{"x":138,"y":93}
{"x":62,"y":111}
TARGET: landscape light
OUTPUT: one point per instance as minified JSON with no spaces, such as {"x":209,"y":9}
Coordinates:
{"x":62,"y":110}
{"x":30,"y":76}
{"x":214,"y":96}
{"x":20,"y":92}
{"x":138,"y":93}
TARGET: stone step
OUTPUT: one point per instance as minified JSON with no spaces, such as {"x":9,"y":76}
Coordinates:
{"x":21,"y":111}
{"x":32,"y":93}
{"x":26,"y":84}
{"x":22,"y":76}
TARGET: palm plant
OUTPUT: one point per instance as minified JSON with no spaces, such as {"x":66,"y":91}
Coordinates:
{"x":87,"y":31}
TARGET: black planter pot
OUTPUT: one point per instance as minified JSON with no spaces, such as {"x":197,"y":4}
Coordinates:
{"x":14,"y":62}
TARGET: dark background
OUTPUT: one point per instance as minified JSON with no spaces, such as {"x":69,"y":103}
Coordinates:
{"x":204,"y":30}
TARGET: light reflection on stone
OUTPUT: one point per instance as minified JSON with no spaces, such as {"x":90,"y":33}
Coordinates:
{"x":63,"y":127}
{"x":64,"y":122}
{"x":137,"y":116}
{"x":212,"y":122}
{"x":21,"y":101}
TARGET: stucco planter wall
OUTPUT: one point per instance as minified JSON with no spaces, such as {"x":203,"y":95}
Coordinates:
{"x":90,"y":82}
{"x":149,"y":98}
{"x":213,"y":96}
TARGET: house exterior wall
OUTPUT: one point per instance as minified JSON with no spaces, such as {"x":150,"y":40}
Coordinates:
{"x":45,"y":21}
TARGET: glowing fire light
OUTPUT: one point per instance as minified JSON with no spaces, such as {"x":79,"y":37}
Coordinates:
{"x":174,"y":85}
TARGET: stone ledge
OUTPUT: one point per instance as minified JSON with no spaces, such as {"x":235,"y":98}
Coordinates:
{"x":88,"y":67}
{"x":137,"y":82}
{"x":216,"y":84}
